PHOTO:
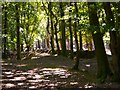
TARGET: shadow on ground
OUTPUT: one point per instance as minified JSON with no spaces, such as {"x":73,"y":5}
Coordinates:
{"x":51,"y":73}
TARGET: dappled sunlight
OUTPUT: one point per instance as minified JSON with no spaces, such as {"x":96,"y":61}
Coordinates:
{"x":73,"y":83}
{"x":8,"y":85}
{"x":40,"y":77}
{"x":34,"y":57}
{"x":36,"y":81}
{"x":87,"y":65}
{"x":50,"y":45}
{"x":89,"y":85}
{"x":20,"y":84}
{"x":56,"y":55}
{"x":5,"y":64}
{"x":8,"y":73}
{"x":21,"y":78}
{"x":21,"y":65}
{"x":46,"y":77}
{"x":32,"y":87}
{"x":36,"y":78}
{"x":42,"y":54}
{"x":56,"y":71}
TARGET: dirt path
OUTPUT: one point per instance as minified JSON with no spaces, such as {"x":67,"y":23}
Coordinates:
{"x":50,"y":72}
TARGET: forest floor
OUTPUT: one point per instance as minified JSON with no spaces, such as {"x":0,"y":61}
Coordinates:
{"x":47,"y":72}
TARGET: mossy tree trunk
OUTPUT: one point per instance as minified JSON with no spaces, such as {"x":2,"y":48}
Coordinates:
{"x":102,"y":61}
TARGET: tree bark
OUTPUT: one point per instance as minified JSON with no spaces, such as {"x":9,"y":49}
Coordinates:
{"x":18,"y":32}
{"x":38,"y":44}
{"x":5,"y":30}
{"x":71,"y":33}
{"x":47,"y":28}
{"x":55,"y":26}
{"x":76,"y":39}
{"x":62,"y":29}
{"x":52,"y":29}
{"x":114,"y":41}
{"x":102,"y":61}
{"x":80,"y":39}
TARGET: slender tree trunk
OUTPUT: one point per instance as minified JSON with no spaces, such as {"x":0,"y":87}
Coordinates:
{"x":47,"y":28}
{"x":5,"y":31}
{"x":52,"y":37}
{"x":75,"y":27}
{"x":114,"y":41}
{"x":80,"y":38}
{"x":21,"y":47}
{"x":48,"y":46}
{"x":38,"y":44}
{"x":18,"y":32}
{"x":77,"y":52}
{"x":62,"y":29}
{"x":102,"y":61}
{"x":76,"y":39}
{"x":58,"y":48}
{"x":52,"y":29}
{"x":90,"y":45}
{"x":71,"y":34}
{"x":56,"y":36}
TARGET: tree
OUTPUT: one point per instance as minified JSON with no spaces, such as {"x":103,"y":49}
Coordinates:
{"x":76,"y":38}
{"x":18,"y":31}
{"x":52,"y":27}
{"x":80,"y":35}
{"x":62,"y":29}
{"x":102,"y":61}
{"x":5,"y":30}
{"x":114,"y":40}
{"x":30,"y":20}
{"x":55,"y":26}
{"x":70,"y":31}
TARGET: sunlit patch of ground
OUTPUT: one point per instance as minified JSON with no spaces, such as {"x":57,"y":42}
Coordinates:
{"x":35,"y":78}
{"x":51,"y":72}
{"x":44,"y":54}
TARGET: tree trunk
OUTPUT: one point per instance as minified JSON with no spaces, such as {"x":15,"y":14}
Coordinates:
{"x":18,"y":32}
{"x":5,"y":31}
{"x":71,"y":34}
{"x":47,"y":28}
{"x":76,"y":39}
{"x":58,"y":48}
{"x":52,"y":29}
{"x":48,"y":46}
{"x":28,"y":48}
{"x":38,"y":44}
{"x":102,"y":61}
{"x":62,"y":29}
{"x":114,"y":41}
{"x":80,"y":39}
{"x":90,"y":45}
{"x":21,"y":47}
